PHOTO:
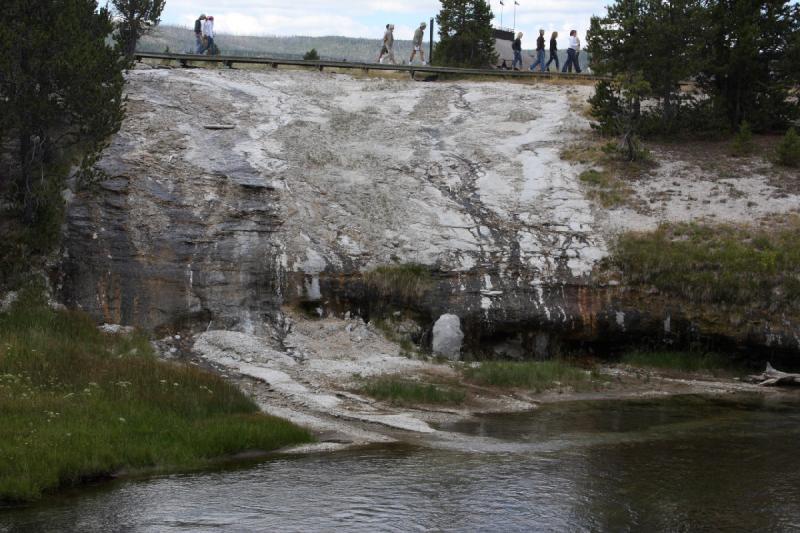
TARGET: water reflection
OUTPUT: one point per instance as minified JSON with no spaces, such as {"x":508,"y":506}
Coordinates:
{"x":679,"y":465}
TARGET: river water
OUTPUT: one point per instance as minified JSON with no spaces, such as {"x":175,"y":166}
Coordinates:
{"x":682,"y":464}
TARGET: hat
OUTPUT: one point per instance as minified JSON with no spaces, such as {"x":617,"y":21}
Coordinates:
{"x":202,"y":16}
{"x":210,"y":17}
{"x":422,"y":25}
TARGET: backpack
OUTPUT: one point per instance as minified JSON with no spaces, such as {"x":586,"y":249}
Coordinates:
{"x":198,"y":26}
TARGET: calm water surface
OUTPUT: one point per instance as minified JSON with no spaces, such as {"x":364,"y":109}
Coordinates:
{"x":684,"y":464}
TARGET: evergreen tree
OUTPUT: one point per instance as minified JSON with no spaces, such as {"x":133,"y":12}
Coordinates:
{"x":137,"y":17}
{"x":748,"y":48}
{"x":466,"y":38}
{"x":60,"y":94}
{"x":652,"y":38}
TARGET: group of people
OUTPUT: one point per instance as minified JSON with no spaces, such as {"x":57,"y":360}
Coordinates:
{"x":387,"y":47}
{"x":204,"y":34}
{"x":573,"y":52}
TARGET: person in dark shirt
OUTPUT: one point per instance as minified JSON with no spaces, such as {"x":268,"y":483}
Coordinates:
{"x":553,"y":51}
{"x":539,"y":52}
{"x":516,"y":46}
{"x":198,"y":34}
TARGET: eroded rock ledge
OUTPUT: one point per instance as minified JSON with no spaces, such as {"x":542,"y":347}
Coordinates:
{"x":325,"y":178}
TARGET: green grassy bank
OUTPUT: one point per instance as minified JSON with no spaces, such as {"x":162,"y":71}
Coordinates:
{"x":538,"y":376}
{"x":718,"y":264}
{"x":76,"y":404}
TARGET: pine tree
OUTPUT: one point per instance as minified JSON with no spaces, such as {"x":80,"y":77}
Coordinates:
{"x":748,"y":51}
{"x":137,"y":17}
{"x":465,"y":34}
{"x":652,"y":38}
{"x":60,"y":94}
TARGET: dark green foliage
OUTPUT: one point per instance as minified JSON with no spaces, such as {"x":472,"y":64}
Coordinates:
{"x":465,"y":34}
{"x":742,"y":54}
{"x":616,"y":105}
{"x":606,"y":107}
{"x":788,"y":151}
{"x":743,"y":141}
{"x":137,"y":17}
{"x":311,"y":55}
{"x":60,"y":95}
{"x":680,"y":361}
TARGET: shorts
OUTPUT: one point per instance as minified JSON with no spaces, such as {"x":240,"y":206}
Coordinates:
{"x":384,"y":50}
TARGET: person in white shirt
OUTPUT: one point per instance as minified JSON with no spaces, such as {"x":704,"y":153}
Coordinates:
{"x":208,"y":34}
{"x":572,"y":53}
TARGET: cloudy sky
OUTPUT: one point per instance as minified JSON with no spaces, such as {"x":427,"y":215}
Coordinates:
{"x":367,"y":18}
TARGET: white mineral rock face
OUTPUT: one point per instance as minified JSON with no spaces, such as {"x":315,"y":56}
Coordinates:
{"x":448,"y":337}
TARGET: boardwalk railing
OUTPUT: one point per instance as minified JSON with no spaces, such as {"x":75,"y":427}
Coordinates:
{"x":185,"y":59}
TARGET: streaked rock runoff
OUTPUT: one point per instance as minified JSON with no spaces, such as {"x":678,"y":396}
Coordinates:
{"x":325,"y":176}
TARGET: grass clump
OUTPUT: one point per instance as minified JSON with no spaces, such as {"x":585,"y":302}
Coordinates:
{"x":408,"y":281}
{"x":788,"y":150}
{"x":605,"y":188}
{"x":718,"y":264}
{"x":76,"y":404}
{"x":405,"y":392}
{"x":538,"y":376}
{"x":680,"y":361}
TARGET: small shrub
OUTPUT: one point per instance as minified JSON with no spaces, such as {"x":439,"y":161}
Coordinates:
{"x":788,"y":151}
{"x":311,"y":55}
{"x":743,"y":141}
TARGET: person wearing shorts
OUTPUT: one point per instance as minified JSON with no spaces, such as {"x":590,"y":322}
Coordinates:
{"x":419,"y":35}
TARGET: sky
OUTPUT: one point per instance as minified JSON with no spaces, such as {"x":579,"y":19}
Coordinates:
{"x":367,"y":18}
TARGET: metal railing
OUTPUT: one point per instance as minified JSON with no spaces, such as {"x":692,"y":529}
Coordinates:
{"x":229,"y":61}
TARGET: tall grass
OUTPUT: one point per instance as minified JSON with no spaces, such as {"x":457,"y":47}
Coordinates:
{"x":400,"y":391}
{"x":76,"y":403}
{"x":722,"y":264}
{"x":538,"y":376}
{"x":407,"y":281}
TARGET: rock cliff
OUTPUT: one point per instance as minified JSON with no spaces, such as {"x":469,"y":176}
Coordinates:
{"x":325,"y":177}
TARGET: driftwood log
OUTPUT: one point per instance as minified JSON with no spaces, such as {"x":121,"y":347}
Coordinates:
{"x":773,"y":378}
{"x":219,"y":126}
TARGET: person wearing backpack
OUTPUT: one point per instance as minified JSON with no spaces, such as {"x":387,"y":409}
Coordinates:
{"x":539,"y":52}
{"x":198,"y":34}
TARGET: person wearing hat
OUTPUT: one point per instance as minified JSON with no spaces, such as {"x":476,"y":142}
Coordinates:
{"x":419,"y":34}
{"x":208,"y":34}
{"x":198,"y":33}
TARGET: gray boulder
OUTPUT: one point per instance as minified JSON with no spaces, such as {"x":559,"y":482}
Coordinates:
{"x":448,"y":337}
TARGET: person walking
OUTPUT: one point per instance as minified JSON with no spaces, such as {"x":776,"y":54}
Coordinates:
{"x":198,"y":34}
{"x":419,"y":34}
{"x":572,"y":53}
{"x":388,"y":45}
{"x":208,"y":34}
{"x":553,"y":51}
{"x":539,"y":52}
{"x":516,"y":46}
